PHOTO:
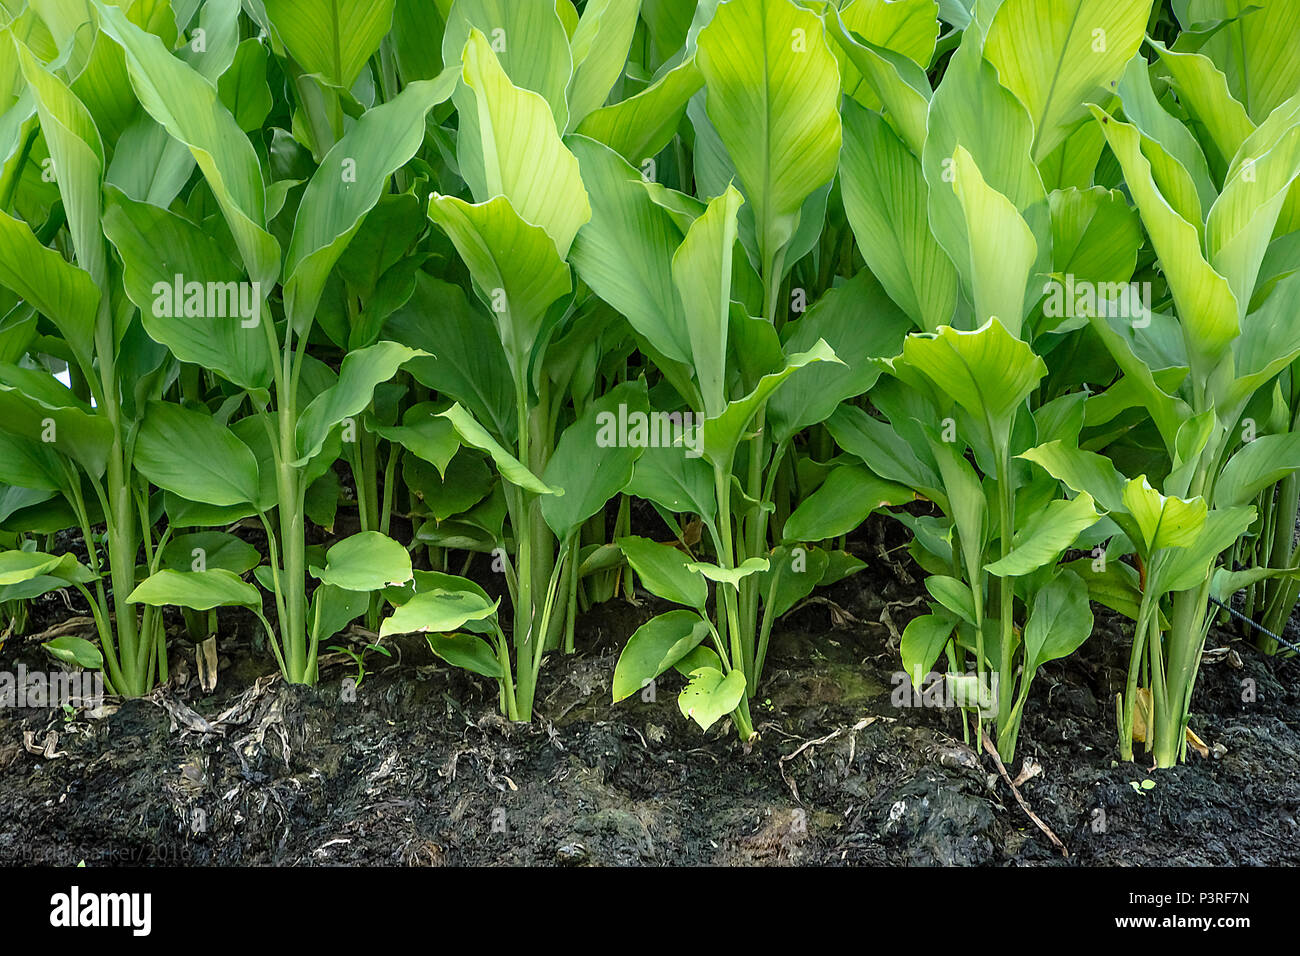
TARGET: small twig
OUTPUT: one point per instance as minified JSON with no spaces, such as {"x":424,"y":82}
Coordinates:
{"x":781,"y":762}
{"x":993,"y":752}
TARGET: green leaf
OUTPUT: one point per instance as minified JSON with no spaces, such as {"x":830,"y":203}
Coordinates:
{"x":848,"y":495}
{"x":204,"y":326}
{"x":626,"y":252}
{"x":665,"y":571}
{"x":1188,"y":567}
{"x":590,"y":463}
{"x":205,"y":550}
{"x":710,"y":695}
{"x":1046,"y":534}
{"x":361,"y":372}
{"x":197,"y":590}
{"x":63,"y":293}
{"x":438,"y":611}
{"x":1059,"y":621}
{"x":731,"y":576}
{"x":988,"y":372}
{"x":511,"y":468}
{"x":953,"y":594}
{"x":516,"y":268}
{"x":923,"y":641}
{"x":654,"y":647}
{"x":723,"y":433}
{"x":1206,"y":306}
{"x":332,"y":39}
{"x":1163,"y":521}
{"x":424,"y":435}
{"x":467,"y":652}
{"x":639,"y":127}
{"x":702,"y":273}
{"x":1001,"y":262}
{"x":600,"y":48}
{"x":190,"y":454}
{"x":347,"y":185}
{"x":675,"y":481}
{"x":187,"y":106}
{"x":858,"y":321}
{"x":366,"y":561}
{"x":1256,"y":466}
{"x":773,"y":97}
{"x":523,"y":157}
{"x":885,"y":198}
{"x":333,"y":609}
{"x":1056,"y":55}
{"x":793,"y":571}
{"x":75,"y":650}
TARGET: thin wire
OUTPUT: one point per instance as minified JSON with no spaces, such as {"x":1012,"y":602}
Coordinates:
{"x":1259,"y":627}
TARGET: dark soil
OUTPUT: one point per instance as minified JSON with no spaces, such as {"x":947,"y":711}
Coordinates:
{"x":418,"y":768}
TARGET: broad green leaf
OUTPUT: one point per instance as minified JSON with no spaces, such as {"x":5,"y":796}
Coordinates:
{"x":78,"y":157}
{"x":792,"y":573}
{"x":665,"y":571}
{"x":190,"y":295}
{"x":1241,"y":222}
{"x":879,"y":447}
{"x":885,"y":198}
{"x":333,"y":609}
{"x":953,"y":594}
{"x":1203,"y":91}
{"x":625,"y":253}
{"x":523,"y":158}
{"x":207,"y":550}
{"x":424,"y":435}
{"x":1002,"y":259}
{"x":83,"y":436}
{"x":639,"y":127}
{"x":876,"y":76}
{"x":532,"y":44}
{"x":922,"y":642}
{"x":516,"y":267}
{"x":731,"y":576}
{"x":197,"y":590}
{"x":848,"y":495}
{"x":514,"y":471}
{"x":187,"y":105}
{"x":1045,"y":534}
{"x":675,"y":481}
{"x":366,"y":561}
{"x":75,"y":650}
{"x":710,"y":696}
{"x":438,"y":611}
{"x":1084,"y":472}
{"x":1188,"y":567}
{"x":190,"y":454}
{"x":1057,"y":55}
{"x":1259,"y":464}
{"x":702,"y":273}
{"x":347,"y":185}
{"x":62,"y":292}
{"x":988,"y":372}
{"x":1255,"y":49}
{"x":331,"y":39}
{"x":591,"y":462}
{"x":722,"y":434}
{"x":972,"y":110}
{"x":600,"y":49}
{"x":654,"y":647}
{"x":858,"y":321}
{"x":467,"y":652}
{"x":360,"y":373}
{"x":773,"y":97}
{"x":1059,"y":621}
{"x":1163,"y":521}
